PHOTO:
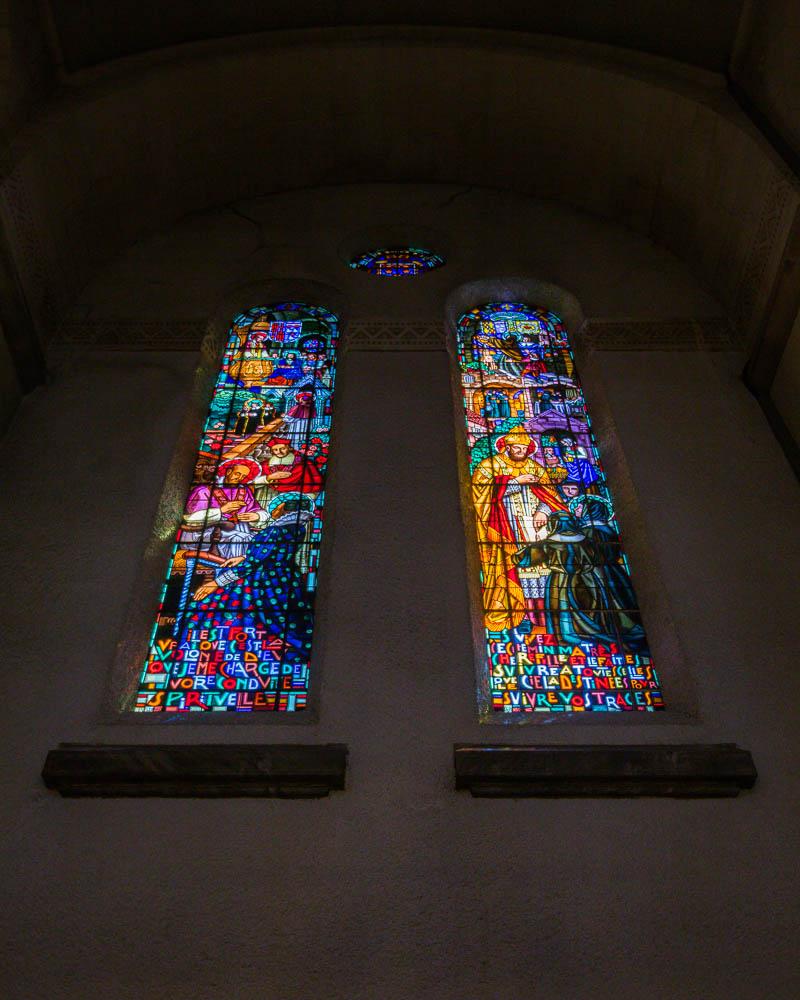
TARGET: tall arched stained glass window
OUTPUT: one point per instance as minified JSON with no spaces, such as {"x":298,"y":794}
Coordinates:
{"x":561,"y":629}
{"x":233,"y":630}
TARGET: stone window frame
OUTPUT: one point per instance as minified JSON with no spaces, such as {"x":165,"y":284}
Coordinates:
{"x":131,"y":649}
{"x":676,"y":676}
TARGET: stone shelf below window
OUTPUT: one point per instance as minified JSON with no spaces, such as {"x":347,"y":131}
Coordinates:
{"x":675,"y":770}
{"x":200,"y":771}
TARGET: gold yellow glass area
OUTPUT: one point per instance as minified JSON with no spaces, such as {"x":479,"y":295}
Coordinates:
{"x":562,"y":630}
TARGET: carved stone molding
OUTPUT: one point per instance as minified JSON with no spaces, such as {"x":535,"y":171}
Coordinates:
{"x":134,"y":335}
{"x":379,"y":335}
{"x":187,"y":334}
{"x":756,"y":278}
{"x":715,"y":334}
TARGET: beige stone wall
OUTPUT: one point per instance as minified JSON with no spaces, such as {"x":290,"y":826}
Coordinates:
{"x":163,"y":290}
{"x":399,"y":888}
{"x":766,"y":69}
{"x":785,"y":390}
{"x":5,"y":60}
{"x":658,"y":148}
{"x":10,"y":392}
{"x":26,"y":63}
{"x":767,"y":65}
{"x":700,"y":34}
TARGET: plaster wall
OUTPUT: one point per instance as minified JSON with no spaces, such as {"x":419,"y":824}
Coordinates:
{"x":10,"y":391}
{"x":766,"y":64}
{"x":785,"y":391}
{"x":129,"y":148}
{"x":26,"y":72}
{"x":700,"y":34}
{"x":182,"y":273}
{"x":398,"y":887}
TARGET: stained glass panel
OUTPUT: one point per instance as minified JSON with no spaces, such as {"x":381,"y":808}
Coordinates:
{"x":233,"y":630}
{"x":561,"y":623}
{"x":398,"y":262}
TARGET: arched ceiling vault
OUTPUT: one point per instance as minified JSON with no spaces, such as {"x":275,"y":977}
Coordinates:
{"x":700,"y":34}
{"x":132,"y":147}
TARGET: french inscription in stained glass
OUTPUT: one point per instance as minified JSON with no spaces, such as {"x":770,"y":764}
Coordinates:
{"x":562,"y":628}
{"x":233,"y":630}
{"x":398,"y":262}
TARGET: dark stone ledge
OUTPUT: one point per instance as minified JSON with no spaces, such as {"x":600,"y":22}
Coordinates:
{"x":678,"y":770}
{"x":201,"y":771}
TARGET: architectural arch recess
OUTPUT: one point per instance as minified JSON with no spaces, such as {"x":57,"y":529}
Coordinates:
{"x":255,"y":302}
{"x":654,"y":145}
{"x":666,"y":646}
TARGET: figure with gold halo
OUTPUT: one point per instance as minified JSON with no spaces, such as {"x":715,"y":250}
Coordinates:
{"x":513,"y":495}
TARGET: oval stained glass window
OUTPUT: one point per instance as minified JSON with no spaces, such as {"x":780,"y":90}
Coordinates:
{"x":397,"y":262}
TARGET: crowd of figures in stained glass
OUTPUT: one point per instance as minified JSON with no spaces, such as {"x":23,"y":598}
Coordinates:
{"x":398,"y":262}
{"x":233,"y":630}
{"x":561,"y":624}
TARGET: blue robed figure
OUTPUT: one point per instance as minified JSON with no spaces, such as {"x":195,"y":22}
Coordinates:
{"x":266,"y":586}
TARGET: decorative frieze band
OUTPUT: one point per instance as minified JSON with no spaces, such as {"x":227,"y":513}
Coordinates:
{"x":713,"y":334}
{"x":133,"y":335}
{"x":379,"y":335}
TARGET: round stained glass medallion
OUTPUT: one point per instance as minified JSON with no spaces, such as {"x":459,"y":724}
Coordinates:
{"x":397,"y":262}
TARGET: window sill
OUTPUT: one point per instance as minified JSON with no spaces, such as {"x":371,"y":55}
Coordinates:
{"x":677,"y":770}
{"x":198,"y":771}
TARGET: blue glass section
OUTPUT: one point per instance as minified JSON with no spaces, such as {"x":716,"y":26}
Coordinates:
{"x":234,"y":627}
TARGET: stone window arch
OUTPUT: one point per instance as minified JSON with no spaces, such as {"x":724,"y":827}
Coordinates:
{"x":234,"y":625}
{"x":556,"y":620}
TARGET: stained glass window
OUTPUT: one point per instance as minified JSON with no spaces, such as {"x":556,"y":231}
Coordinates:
{"x":561,"y":628}
{"x":398,"y":262}
{"x":233,"y":630}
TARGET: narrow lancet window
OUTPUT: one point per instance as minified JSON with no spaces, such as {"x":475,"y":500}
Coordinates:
{"x":560,"y":626}
{"x":233,"y":630}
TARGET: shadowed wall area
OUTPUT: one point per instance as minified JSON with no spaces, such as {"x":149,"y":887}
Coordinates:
{"x":701,"y":34}
{"x":166,"y":167}
{"x":660,"y":148}
{"x":399,"y":886}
